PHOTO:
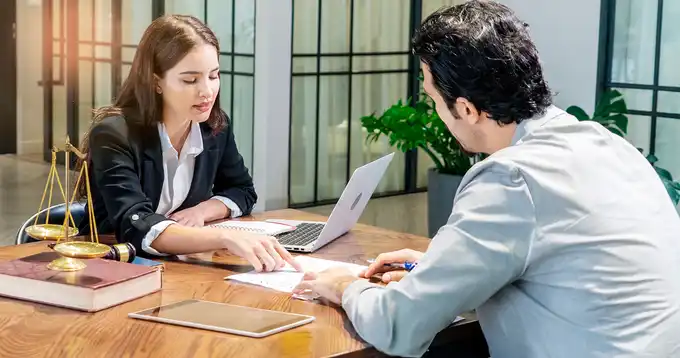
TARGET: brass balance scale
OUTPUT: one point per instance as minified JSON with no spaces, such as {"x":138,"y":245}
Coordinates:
{"x":72,"y":251}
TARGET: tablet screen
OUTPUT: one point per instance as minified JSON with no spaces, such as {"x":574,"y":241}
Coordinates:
{"x":222,"y":316}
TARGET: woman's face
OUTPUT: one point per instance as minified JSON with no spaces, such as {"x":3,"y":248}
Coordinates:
{"x":189,"y":89}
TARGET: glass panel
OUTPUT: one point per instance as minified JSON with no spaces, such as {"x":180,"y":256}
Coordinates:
{"x":28,"y":74}
{"x":335,"y":26}
{"x":377,"y":63}
{"x":302,"y":139}
{"x":126,"y":71}
{"x":86,"y":20}
{"x":135,"y":17}
{"x":430,"y":6}
{"x":244,"y":26}
{"x":219,"y":20}
{"x":667,"y":134}
{"x":59,"y":90}
{"x":195,"y":8}
{"x":669,"y":71}
{"x":669,"y":102}
{"x":634,"y":41}
{"x":244,"y":64}
{"x":333,"y":100}
{"x":86,"y":50}
{"x":335,"y":64}
{"x":86,"y":93}
{"x":243,"y":116}
{"x":103,"y":22}
{"x":225,"y":94}
{"x":304,"y":64}
{"x":102,"y":84}
{"x":128,"y":54}
{"x":375,"y":93}
{"x":102,"y":52}
{"x":637,"y":99}
{"x":305,"y":25}
{"x":225,"y":62}
{"x":381,"y":25}
{"x":639,"y":131}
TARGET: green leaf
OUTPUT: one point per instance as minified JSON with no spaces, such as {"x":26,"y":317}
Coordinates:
{"x":651,"y":158}
{"x":578,"y":112}
{"x":621,"y":121}
{"x":663,"y":173}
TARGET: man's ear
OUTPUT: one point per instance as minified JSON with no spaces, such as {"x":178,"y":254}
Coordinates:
{"x":466,"y":110}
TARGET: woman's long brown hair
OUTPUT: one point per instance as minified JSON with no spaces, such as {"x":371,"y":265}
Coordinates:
{"x":165,"y":42}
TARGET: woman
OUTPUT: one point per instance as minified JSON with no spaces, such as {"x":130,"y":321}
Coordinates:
{"x":163,"y":159}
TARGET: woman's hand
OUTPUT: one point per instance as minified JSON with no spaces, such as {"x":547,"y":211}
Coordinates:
{"x":263,"y":252}
{"x":193,"y":217}
{"x":389,"y":274}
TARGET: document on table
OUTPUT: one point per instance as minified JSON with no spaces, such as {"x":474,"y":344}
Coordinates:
{"x":287,"y":278}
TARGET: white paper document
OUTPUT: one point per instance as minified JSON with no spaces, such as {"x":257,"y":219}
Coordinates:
{"x":287,"y":278}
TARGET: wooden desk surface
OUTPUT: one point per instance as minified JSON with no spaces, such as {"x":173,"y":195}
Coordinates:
{"x":30,"y":329}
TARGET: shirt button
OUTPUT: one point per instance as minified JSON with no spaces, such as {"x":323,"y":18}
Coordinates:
{"x":135,"y":217}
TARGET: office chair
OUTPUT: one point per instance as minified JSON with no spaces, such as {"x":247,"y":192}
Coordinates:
{"x":57,"y":214}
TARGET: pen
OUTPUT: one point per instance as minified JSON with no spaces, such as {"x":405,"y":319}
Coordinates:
{"x":408,"y":266}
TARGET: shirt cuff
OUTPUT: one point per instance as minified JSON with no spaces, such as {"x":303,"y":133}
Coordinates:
{"x":353,"y":291}
{"x":153,"y":234}
{"x":233,"y":208}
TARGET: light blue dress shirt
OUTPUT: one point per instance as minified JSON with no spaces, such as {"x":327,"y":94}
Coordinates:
{"x":566,"y":243}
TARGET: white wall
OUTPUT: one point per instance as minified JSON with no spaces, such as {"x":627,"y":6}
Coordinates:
{"x":272,"y":103}
{"x":566,"y":33}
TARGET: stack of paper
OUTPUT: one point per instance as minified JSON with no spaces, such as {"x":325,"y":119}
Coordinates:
{"x":287,"y":278}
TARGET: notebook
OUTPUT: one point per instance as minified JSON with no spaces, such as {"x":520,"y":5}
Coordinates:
{"x":258,"y":227}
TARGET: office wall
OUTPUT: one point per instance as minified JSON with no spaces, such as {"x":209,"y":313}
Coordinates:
{"x":566,"y":34}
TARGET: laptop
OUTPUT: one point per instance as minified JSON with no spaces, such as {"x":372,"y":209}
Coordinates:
{"x":310,"y":236}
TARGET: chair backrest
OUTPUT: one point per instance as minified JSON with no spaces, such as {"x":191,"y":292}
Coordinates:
{"x":57,"y":214}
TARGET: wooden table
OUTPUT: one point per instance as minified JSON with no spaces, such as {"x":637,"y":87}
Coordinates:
{"x":35,"y":330}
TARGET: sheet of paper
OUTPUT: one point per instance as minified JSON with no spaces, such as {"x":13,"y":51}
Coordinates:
{"x":287,"y":278}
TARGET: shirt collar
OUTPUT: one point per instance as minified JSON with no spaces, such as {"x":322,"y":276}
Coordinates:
{"x":193,"y":144}
{"x":529,"y":125}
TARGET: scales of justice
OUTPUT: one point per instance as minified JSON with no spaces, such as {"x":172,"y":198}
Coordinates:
{"x":72,"y":251}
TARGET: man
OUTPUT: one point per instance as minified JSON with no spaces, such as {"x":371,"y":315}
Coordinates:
{"x":563,"y":239}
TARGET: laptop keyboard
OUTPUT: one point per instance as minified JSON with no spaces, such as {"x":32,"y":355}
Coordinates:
{"x":304,"y":234}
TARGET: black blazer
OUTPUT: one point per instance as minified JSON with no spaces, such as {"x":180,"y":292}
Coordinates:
{"x":126,"y":177}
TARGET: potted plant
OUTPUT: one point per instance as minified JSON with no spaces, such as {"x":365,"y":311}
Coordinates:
{"x":417,"y":125}
{"x":610,"y":112}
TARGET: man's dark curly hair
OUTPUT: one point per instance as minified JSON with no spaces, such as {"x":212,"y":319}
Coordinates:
{"x":481,"y":51}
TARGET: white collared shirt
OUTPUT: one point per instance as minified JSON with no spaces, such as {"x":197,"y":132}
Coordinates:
{"x":178,"y":170}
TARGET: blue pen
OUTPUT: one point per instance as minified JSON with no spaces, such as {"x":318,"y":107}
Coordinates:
{"x":408,"y":266}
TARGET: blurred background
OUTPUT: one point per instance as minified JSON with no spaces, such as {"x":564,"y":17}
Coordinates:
{"x":298,"y":76}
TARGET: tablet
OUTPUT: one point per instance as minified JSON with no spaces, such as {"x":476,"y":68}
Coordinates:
{"x":222,"y":317}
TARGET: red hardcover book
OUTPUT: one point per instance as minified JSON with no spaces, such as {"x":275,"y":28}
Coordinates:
{"x":100,"y":285}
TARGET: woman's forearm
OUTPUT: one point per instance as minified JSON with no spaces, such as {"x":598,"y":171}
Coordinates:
{"x":183,"y":240}
{"x":214,"y":209}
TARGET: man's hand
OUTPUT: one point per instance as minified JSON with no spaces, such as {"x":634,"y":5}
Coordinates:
{"x":329,"y":284}
{"x":193,"y":216}
{"x":389,"y":274}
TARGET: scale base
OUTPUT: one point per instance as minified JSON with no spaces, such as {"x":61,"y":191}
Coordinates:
{"x":66,"y":264}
